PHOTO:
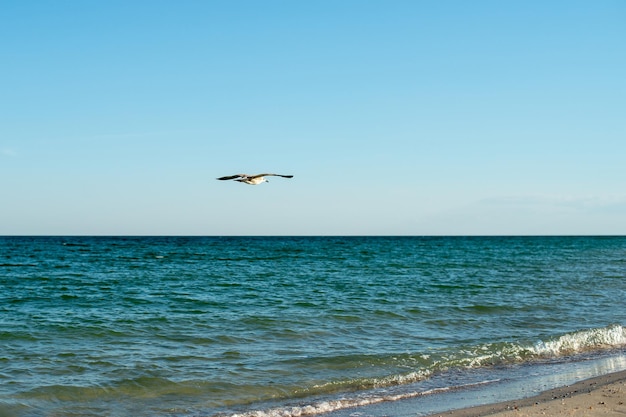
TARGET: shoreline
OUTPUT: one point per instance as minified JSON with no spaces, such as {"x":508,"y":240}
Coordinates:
{"x":603,"y":395}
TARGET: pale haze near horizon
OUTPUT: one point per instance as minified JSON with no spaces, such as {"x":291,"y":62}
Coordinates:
{"x":395,"y":117}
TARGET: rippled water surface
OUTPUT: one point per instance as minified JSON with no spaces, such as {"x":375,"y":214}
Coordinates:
{"x":218,"y":326}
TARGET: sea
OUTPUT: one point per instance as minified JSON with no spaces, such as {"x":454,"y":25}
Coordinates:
{"x":302,"y":326}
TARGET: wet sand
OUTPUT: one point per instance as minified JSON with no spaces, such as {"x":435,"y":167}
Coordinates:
{"x":600,"y":396}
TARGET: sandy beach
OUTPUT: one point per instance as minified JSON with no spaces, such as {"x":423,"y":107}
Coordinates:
{"x":601,"y":396}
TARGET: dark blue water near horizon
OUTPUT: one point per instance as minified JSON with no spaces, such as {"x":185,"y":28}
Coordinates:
{"x":206,"y":326}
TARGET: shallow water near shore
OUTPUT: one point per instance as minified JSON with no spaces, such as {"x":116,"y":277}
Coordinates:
{"x":210,"y":326}
{"x":488,"y":386}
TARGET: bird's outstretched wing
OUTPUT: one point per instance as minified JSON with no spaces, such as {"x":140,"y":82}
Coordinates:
{"x":271,"y":175}
{"x":232,"y":177}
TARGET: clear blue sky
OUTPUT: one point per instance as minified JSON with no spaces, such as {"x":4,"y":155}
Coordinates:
{"x":396,"y":117}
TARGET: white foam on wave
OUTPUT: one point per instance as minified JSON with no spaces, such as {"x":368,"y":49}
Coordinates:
{"x":585,"y":340}
{"x":340,"y":404}
{"x":391,"y":380}
{"x":324,"y":406}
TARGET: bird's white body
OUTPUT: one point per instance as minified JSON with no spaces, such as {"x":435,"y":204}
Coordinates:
{"x":253,"y":181}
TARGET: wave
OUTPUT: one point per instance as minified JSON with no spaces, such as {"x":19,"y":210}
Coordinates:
{"x":334,"y":405}
{"x":372,"y":391}
{"x":581,"y":341}
{"x":328,"y":406}
{"x":393,"y":377}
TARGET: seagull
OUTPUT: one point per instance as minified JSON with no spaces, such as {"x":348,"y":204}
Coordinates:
{"x":252,"y":179}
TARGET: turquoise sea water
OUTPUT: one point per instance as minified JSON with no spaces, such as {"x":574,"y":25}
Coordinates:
{"x":210,"y":326}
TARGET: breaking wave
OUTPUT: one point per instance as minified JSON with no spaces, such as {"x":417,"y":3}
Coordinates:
{"x":581,"y":341}
{"x":570,"y":344}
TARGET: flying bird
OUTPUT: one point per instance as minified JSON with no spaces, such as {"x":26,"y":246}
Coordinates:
{"x":252,"y":179}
